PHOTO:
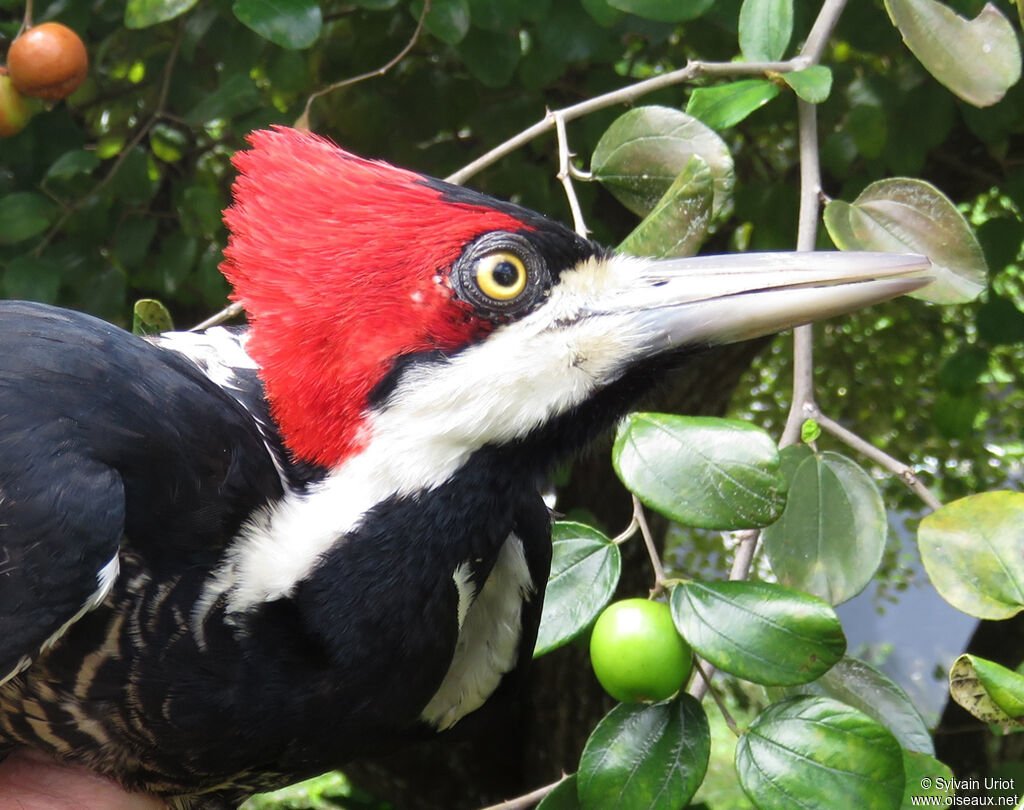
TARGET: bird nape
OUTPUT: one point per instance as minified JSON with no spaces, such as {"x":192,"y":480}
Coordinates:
{"x":239,"y":558}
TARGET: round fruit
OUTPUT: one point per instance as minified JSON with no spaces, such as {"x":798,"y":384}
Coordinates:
{"x":14,"y":110}
{"x":48,"y":62}
{"x":637,"y":653}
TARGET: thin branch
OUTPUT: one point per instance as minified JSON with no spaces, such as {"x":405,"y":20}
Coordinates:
{"x":807,"y":232}
{"x":136,"y":139}
{"x":226,"y":314}
{"x":652,"y":550}
{"x":303,"y":120}
{"x":565,"y":175}
{"x":706,"y":681}
{"x":527,"y":799}
{"x":625,"y":95}
{"x":880,"y":457}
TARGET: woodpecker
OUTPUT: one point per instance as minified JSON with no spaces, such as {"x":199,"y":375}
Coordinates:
{"x":238,"y":558}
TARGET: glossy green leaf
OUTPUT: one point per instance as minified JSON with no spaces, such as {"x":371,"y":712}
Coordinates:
{"x":765,"y":29}
{"x":643,"y":152}
{"x":664,"y":10}
{"x":812,"y":752}
{"x":903,"y":215}
{"x":30,"y":278}
{"x":585,"y":568}
{"x":235,"y":95}
{"x":977,"y":59}
{"x":562,"y":797}
{"x":150,"y":317}
{"x":603,"y":12}
{"x":765,"y":633}
{"x":24,"y":214}
{"x":73,"y":163}
{"x":925,"y":777}
{"x":144,"y":13}
{"x":701,"y":471}
{"x":168,"y":142}
{"x":812,"y":84}
{"x":292,"y":24}
{"x":645,"y":756}
{"x":989,"y":691}
{"x":725,"y":105}
{"x":491,"y":56}
{"x":679,"y":222}
{"x":830,"y":539}
{"x":448,"y":20}
{"x":971,"y":549}
{"x":858,"y":684}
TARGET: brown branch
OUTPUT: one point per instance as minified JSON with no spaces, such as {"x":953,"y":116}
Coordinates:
{"x":527,"y":799}
{"x":127,"y":150}
{"x":303,"y":120}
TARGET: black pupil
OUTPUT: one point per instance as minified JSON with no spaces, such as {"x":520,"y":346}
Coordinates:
{"x":505,"y":274}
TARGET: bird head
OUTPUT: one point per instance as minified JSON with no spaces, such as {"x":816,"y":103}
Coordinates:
{"x":371,"y":287}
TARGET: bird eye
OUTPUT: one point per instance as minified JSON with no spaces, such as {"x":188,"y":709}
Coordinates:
{"x":501,"y":276}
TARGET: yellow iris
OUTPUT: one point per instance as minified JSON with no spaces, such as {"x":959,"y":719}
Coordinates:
{"x":501,"y":276}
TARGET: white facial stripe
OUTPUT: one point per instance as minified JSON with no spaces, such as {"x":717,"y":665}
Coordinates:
{"x":488,"y":643}
{"x":519,"y":378}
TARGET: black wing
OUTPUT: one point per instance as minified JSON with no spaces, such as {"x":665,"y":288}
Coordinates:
{"x":104,"y":439}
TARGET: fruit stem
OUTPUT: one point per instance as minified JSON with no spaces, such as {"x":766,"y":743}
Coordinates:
{"x":698,"y":665}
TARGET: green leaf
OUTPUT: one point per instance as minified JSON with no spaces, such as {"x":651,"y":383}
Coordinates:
{"x":235,"y":95}
{"x":664,"y":10}
{"x":867,"y":124}
{"x":989,"y":691}
{"x":830,"y":539}
{"x":292,"y":24}
{"x":645,"y":756}
{"x":491,"y":56}
{"x":679,"y":222}
{"x":644,"y":150}
{"x":150,"y":317}
{"x":977,"y":59}
{"x":32,"y":279}
{"x":701,"y":471}
{"x":918,"y":768}
{"x":858,"y":684}
{"x":603,"y":13}
{"x":971,"y":549}
{"x":562,"y":797}
{"x":955,"y":415}
{"x":72,"y":164}
{"x":201,"y":211}
{"x":448,"y":20}
{"x":812,"y":752}
{"x":1000,"y":322}
{"x":765,"y":28}
{"x":168,"y":143}
{"x":902,"y":215}
{"x":133,"y":239}
{"x":765,"y":633}
{"x":585,"y":568}
{"x":725,"y":105}
{"x":810,"y":431}
{"x":959,"y":373}
{"x":812,"y":84}
{"x":144,"y":13}
{"x":23,"y":215}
